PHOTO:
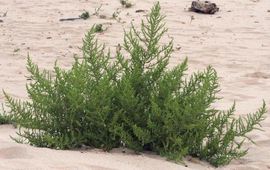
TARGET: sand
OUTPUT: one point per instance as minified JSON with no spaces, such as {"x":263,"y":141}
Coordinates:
{"x":236,"y":41}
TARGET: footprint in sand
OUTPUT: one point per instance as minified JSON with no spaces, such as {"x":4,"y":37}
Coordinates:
{"x":13,"y":153}
{"x":247,"y":168}
{"x":258,"y":75}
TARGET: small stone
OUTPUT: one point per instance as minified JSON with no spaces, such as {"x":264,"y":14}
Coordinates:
{"x":178,"y":48}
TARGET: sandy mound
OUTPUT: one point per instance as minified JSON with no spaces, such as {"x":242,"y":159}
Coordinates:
{"x":236,"y":41}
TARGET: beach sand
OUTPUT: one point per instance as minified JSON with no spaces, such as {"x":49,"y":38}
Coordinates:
{"x":235,"y":41}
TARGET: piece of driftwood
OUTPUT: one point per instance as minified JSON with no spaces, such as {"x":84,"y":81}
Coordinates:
{"x":69,"y":19}
{"x":85,"y":15}
{"x":205,"y":7}
{"x":140,"y":10}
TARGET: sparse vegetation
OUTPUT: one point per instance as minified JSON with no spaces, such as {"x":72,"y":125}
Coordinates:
{"x":85,"y":15}
{"x":97,"y":10}
{"x":123,"y":2}
{"x":115,"y":15}
{"x":98,"y":28}
{"x":133,"y":101}
{"x":16,"y":50}
{"x":126,"y":3}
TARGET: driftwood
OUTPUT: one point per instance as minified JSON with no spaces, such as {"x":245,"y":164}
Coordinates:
{"x":85,"y":15}
{"x":205,"y":7}
{"x":140,"y":10}
{"x":69,"y":19}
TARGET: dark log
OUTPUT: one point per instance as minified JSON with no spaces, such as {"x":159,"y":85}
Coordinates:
{"x":69,"y":19}
{"x":205,"y":7}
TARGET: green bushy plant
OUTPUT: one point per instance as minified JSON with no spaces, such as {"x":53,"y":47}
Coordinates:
{"x":133,"y":101}
{"x":5,"y":119}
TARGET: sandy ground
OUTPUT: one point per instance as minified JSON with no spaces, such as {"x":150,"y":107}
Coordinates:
{"x":236,"y":41}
